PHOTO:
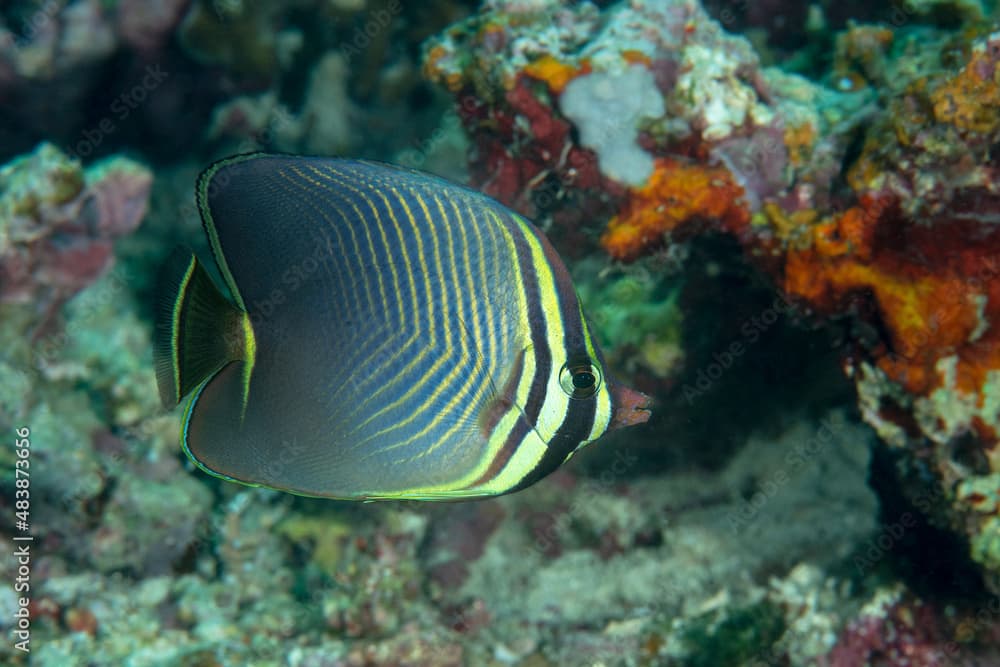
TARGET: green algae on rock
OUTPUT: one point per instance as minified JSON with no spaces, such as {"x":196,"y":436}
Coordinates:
{"x":636,"y":315}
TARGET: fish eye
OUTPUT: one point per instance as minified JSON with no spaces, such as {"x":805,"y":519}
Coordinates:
{"x":580,"y":379}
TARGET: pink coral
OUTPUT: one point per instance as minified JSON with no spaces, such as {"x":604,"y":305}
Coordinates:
{"x":907,"y":635}
{"x":911,"y":633}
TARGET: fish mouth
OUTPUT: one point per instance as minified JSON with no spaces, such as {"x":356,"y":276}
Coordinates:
{"x":631,"y":407}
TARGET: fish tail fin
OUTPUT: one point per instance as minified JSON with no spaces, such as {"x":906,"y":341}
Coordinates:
{"x":198,"y":330}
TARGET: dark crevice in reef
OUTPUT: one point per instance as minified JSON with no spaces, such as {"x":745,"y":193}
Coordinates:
{"x":752,"y":364}
{"x":933,"y":561}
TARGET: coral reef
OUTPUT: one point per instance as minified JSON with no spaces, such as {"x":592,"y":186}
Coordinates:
{"x":675,"y":197}
{"x":610,"y":566}
{"x":779,"y":135}
{"x":75,"y":369}
{"x":916,"y":257}
{"x":636,"y":316}
{"x":244,"y":37}
{"x":318,"y":77}
{"x":612,"y":556}
{"x":280,"y":75}
{"x":85,"y":391}
{"x":322,"y":127}
{"x":607,"y":108}
{"x":881,"y":208}
{"x":53,"y":56}
{"x":58,"y":223}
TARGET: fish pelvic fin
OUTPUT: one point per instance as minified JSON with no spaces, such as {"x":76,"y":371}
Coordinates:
{"x":198,"y":330}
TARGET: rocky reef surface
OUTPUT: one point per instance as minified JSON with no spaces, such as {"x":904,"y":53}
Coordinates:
{"x":782,"y":219}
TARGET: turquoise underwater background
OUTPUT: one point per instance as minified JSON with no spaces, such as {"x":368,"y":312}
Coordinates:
{"x":783,"y":221}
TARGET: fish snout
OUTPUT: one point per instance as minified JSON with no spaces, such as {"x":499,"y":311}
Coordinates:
{"x":631,"y":407}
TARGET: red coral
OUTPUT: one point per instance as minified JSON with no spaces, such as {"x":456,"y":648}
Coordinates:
{"x":526,"y":158}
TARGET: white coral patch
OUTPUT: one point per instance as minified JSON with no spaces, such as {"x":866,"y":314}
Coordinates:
{"x":606,"y":108}
{"x":711,"y":90}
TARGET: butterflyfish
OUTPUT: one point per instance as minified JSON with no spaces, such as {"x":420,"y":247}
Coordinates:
{"x":380,"y":333}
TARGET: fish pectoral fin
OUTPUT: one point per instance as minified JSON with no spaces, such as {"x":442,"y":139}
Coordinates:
{"x":503,"y":398}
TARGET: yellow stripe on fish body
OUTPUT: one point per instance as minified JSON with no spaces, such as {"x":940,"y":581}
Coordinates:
{"x":406,"y":264}
{"x":461,"y":397}
{"x":466,"y":486}
{"x":452,"y":377}
{"x":390,"y":336}
{"x":530,"y":449}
